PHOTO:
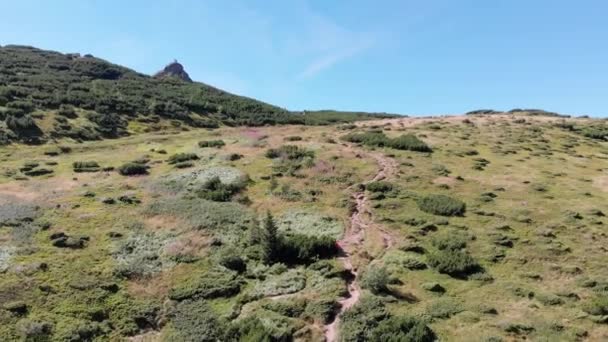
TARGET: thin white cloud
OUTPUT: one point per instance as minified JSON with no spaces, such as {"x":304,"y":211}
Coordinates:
{"x":325,"y":43}
{"x":333,"y":57}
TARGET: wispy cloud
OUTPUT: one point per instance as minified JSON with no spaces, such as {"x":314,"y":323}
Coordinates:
{"x":333,"y":57}
{"x":329,"y":43}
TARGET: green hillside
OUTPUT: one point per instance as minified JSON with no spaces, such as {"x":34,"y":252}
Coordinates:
{"x":46,"y":94}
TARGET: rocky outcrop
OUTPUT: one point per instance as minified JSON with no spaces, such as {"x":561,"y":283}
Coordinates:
{"x":174,"y":70}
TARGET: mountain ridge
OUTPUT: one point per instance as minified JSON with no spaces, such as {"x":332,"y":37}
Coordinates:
{"x":49,"y":95}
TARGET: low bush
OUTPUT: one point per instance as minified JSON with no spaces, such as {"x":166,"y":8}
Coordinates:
{"x":371,"y":138}
{"x":184,"y":165}
{"x":211,"y":143}
{"x":375,"y":279}
{"x":403,"y":329}
{"x":288,"y":282}
{"x":37,"y":172}
{"x":300,"y":248}
{"x":290,"y":152}
{"x":409,"y":142}
{"x":597,"y":306}
{"x":289,"y":308}
{"x":214,"y":190}
{"x":358,"y":323}
{"x":454,"y":262}
{"x":379,"y":186}
{"x":85,"y":166}
{"x":233,"y":262}
{"x":322,"y":310}
{"x":194,"y":321}
{"x":35,"y":330}
{"x":444,"y":308}
{"x":450,"y":240}
{"x":181,"y":157}
{"x":67,"y":111}
{"x":253,"y":329}
{"x":293,"y":138}
{"x":212,"y":284}
{"x":140,"y":255}
{"x":441,"y":205}
{"x":132,"y":169}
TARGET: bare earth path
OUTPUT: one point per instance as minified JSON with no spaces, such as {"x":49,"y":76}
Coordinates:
{"x":360,"y":222}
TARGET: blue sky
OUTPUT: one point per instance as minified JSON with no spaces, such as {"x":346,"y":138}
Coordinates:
{"x":400,"y":56}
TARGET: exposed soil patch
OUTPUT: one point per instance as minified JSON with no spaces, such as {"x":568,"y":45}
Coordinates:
{"x":601,"y":183}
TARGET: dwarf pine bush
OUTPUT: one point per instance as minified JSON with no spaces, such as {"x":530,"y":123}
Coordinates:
{"x":211,"y":143}
{"x":441,"y":205}
{"x":85,"y":166}
{"x":131,"y":169}
{"x":181,"y":157}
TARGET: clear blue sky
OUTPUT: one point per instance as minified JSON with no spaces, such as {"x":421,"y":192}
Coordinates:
{"x":403,"y":56}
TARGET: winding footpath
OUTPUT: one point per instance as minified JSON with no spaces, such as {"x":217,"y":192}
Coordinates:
{"x":360,"y":223}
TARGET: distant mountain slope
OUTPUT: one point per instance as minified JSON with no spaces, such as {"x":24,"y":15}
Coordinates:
{"x":49,"y":94}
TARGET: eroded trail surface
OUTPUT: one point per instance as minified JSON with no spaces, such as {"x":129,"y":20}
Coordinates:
{"x":360,"y":222}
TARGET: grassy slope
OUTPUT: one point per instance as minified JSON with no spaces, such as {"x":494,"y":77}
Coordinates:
{"x":574,"y":179}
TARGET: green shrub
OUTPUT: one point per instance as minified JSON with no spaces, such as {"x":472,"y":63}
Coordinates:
{"x":358,"y":323}
{"x":85,"y":166}
{"x":211,"y":143}
{"x":212,"y":284}
{"x":140,"y":255}
{"x":252,"y":329}
{"x":35,"y":330}
{"x":181,"y":157}
{"x":379,"y":186}
{"x":549,"y":299}
{"x":441,"y":205}
{"x":214,"y":190}
{"x":234,"y":262}
{"x":378,"y":139}
{"x":403,"y":329}
{"x":597,"y":306}
{"x":290,"y":281}
{"x":454,"y":262}
{"x":293,"y":138}
{"x":444,"y":308}
{"x":38,"y":172}
{"x":449,"y":240}
{"x":322,"y":310}
{"x":599,"y":133}
{"x":300,"y":248}
{"x":290,"y":152}
{"x":67,"y":111}
{"x":194,"y":321}
{"x":375,"y":279}
{"x":289,"y":308}
{"x":184,"y":165}
{"x":409,"y":142}
{"x":131,"y":169}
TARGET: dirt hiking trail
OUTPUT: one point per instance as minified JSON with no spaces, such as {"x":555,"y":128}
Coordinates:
{"x":361,"y":221}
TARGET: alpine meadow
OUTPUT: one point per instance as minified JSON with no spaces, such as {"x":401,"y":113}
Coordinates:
{"x":157,"y":208}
